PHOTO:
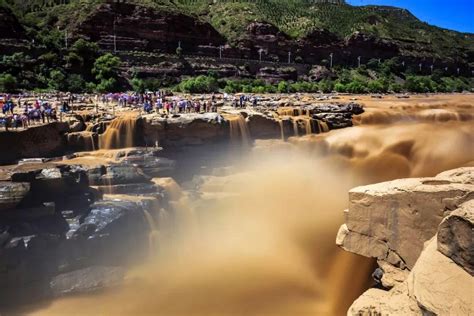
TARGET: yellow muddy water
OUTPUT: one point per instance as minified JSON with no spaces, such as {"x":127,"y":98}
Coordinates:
{"x":261,"y":240}
{"x":120,"y":133}
{"x":239,"y":133}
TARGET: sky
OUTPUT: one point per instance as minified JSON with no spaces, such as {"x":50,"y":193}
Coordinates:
{"x":451,"y":14}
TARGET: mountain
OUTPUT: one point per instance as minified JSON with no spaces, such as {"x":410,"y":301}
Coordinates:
{"x":307,"y":32}
{"x":297,"y":19}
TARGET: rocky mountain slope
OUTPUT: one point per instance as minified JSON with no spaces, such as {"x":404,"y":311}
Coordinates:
{"x":309,"y":29}
{"x":420,"y":232}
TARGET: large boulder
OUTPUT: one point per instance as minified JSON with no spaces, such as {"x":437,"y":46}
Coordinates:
{"x":263,"y":127}
{"x":86,"y":280}
{"x":65,"y":185}
{"x":439,"y":285}
{"x":391,"y":221}
{"x":455,"y":236}
{"x":180,"y":130}
{"x":11,"y":194}
{"x":114,"y":232}
{"x":122,"y":174}
{"x":440,"y":281}
{"x":82,"y":141}
{"x":39,"y":141}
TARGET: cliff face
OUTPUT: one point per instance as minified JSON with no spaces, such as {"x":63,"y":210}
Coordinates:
{"x":142,"y":28}
{"x":10,"y":27}
{"x":395,"y":222}
{"x":12,"y":33}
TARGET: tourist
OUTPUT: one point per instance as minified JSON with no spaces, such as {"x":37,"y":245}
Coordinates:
{"x":65,"y":108}
{"x":147,"y":107}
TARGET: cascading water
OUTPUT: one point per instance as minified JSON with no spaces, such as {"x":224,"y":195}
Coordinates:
{"x":322,"y":126}
{"x":282,"y":129}
{"x":239,"y":133}
{"x":154,"y":235}
{"x":119,"y":134}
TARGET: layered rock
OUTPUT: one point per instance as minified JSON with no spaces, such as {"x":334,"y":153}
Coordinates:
{"x":57,"y":238}
{"x":192,"y":129}
{"x":434,"y":280}
{"x":39,"y":141}
{"x":11,"y":194}
{"x":455,"y":236}
{"x":146,"y":29}
{"x":391,"y":221}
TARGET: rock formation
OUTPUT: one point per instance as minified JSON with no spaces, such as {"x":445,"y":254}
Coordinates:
{"x":395,"y":222}
{"x":92,"y":132}
{"x":145,"y":29}
{"x":60,"y":230}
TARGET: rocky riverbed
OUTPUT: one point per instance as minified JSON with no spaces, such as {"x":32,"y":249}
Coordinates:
{"x":252,"y":198}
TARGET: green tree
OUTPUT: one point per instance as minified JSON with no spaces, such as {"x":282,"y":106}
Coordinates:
{"x":138,"y":85}
{"x":340,"y":87}
{"x":326,"y":86}
{"x":8,"y":83}
{"x":106,"y":67}
{"x":106,"y":72}
{"x":57,"y":80}
{"x":75,"y":83}
{"x":283,"y":87}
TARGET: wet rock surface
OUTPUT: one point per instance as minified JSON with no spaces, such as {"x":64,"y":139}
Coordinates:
{"x":86,"y":280}
{"x":57,"y":236}
{"x":11,"y":194}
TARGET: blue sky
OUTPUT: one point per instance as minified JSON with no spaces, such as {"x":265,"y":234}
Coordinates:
{"x":451,"y":14}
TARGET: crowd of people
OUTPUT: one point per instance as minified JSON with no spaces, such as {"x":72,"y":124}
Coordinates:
{"x":23,"y":111}
{"x":162,"y":103}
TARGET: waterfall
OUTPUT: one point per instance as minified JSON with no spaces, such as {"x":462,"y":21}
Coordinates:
{"x":239,"y":132}
{"x":119,"y":134}
{"x":154,"y":234}
{"x":295,"y":128}
{"x":308,"y":126}
{"x":322,"y":126}
{"x":90,"y":144}
{"x":282,"y":130}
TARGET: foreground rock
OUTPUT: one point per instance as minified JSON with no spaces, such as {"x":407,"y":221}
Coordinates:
{"x":391,"y":221}
{"x":58,"y":236}
{"x":455,"y":236}
{"x":437,"y":280}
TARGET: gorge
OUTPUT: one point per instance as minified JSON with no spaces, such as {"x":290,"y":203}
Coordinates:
{"x":237,"y":212}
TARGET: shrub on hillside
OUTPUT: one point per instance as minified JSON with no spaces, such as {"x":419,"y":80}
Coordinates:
{"x":8,"y":83}
{"x":200,"y":84}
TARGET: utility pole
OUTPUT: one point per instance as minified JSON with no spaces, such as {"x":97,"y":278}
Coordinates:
{"x":289,"y":57}
{"x":115,"y":36}
{"x":330,"y":63}
{"x":358,"y":61}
